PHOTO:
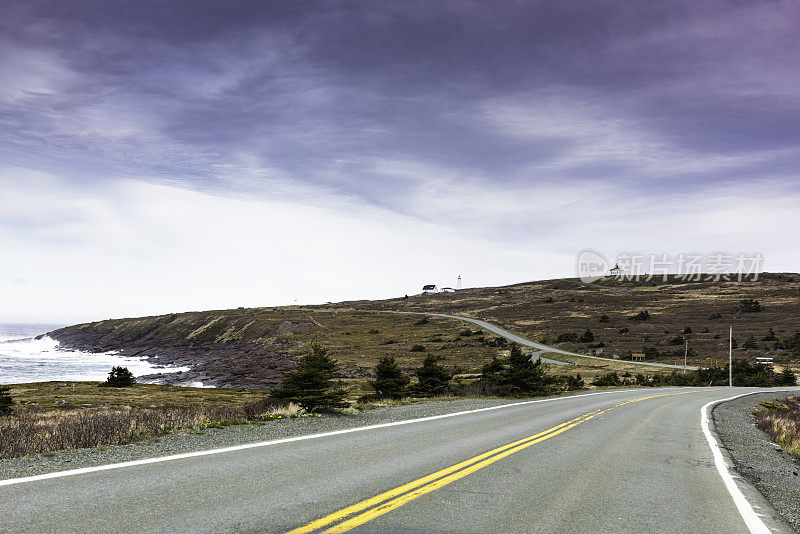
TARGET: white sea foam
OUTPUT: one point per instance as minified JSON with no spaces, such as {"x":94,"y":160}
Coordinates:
{"x":41,"y":360}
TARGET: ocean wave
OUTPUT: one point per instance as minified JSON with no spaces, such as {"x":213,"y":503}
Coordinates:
{"x":40,"y":359}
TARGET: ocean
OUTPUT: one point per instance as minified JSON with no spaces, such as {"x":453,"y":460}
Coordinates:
{"x":23,"y":358}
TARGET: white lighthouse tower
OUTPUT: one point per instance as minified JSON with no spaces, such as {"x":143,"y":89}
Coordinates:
{"x":458,"y":283}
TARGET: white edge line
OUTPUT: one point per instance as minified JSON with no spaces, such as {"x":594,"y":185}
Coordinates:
{"x":209,"y":452}
{"x":749,"y":515}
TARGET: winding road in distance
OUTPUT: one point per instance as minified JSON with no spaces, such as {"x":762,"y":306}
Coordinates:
{"x":540,"y":349}
{"x":635,"y":460}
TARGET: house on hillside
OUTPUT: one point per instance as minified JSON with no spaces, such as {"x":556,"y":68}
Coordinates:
{"x":615,"y":270}
{"x":429,"y":288}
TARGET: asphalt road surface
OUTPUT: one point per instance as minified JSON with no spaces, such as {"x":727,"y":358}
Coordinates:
{"x":619,"y":461}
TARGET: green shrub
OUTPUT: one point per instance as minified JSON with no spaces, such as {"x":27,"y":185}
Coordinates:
{"x":677,"y":340}
{"x":587,"y":337}
{"x":390,"y":382}
{"x":492,"y":376}
{"x":567,"y":337}
{"x":6,"y":402}
{"x":642,"y":380}
{"x":750,"y":342}
{"x":787,"y":378}
{"x":575,"y":382}
{"x":311,"y":384}
{"x":643,"y":315}
{"x":715,"y":316}
{"x":518,"y":375}
{"x":745,"y":374}
{"x":418,"y":348}
{"x":770,"y":336}
{"x":525,"y":377}
{"x":604,"y":318}
{"x":433,"y":378}
{"x":119,"y":377}
{"x":608,"y":379}
{"x":750,"y":306}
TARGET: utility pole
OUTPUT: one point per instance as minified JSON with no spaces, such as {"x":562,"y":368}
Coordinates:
{"x":685,"y":355}
{"x":730,"y":358}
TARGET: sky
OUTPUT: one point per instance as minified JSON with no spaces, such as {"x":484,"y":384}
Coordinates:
{"x":174,"y":156}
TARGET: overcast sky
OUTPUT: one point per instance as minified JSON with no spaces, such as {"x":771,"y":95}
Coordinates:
{"x":168,"y":156}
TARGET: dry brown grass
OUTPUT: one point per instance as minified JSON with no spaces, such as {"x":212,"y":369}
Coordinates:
{"x":62,"y":394}
{"x":35,"y":430}
{"x":781,"y":421}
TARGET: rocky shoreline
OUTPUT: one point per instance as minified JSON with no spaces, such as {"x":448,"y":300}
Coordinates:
{"x":213,"y":364}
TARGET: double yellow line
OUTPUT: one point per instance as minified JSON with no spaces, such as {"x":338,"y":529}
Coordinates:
{"x":373,"y":507}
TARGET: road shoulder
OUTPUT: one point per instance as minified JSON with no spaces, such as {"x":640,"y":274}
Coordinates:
{"x":771,"y":470}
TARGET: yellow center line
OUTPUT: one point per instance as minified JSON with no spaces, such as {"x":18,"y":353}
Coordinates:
{"x":394,"y":498}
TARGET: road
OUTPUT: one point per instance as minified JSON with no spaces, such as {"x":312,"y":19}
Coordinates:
{"x":540,"y":348}
{"x":618,"y":461}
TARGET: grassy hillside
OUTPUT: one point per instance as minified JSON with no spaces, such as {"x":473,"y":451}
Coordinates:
{"x":545,"y":310}
{"x":251,"y":347}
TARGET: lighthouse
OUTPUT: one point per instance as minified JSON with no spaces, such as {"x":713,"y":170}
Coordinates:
{"x":458,"y":283}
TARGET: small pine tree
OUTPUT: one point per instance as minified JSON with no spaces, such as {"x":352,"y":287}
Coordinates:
{"x":787,"y":378}
{"x":390,"y":382}
{"x":433,"y":378}
{"x":492,"y":376}
{"x":750,"y":343}
{"x":770,"y":336}
{"x":574,"y":382}
{"x":119,"y":377}
{"x":6,"y":402}
{"x":525,"y":377}
{"x":587,"y":337}
{"x":750,"y":306}
{"x":311,"y":384}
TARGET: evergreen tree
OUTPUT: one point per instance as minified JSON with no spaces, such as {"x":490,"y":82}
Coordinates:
{"x":770,"y":336}
{"x":119,"y":377}
{"x":390,"y":382}
{"x":525,"y":377}
{"x":493,"y":377}
{"x":786,"y":378}
{"x":433,"y":378}
{"x":575,"y":382}
{"x":6,"y":402}
{"x":750,"y":306}
{"x":750,"y":342}
{"x":587,"y":337}
{"x":311,"y":384}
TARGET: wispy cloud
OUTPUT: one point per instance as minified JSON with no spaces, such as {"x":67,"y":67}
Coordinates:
{"x":532,"y":128}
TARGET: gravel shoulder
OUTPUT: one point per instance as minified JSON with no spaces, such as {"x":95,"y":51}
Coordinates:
{"x":773,"y":471}
{"x":186,"y":441}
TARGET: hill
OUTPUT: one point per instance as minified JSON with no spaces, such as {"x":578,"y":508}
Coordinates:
{"x":252,"y":347}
